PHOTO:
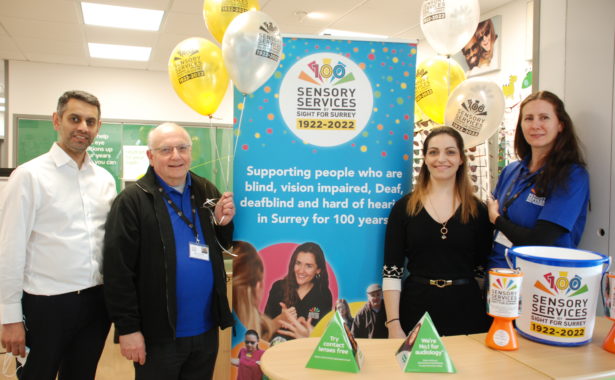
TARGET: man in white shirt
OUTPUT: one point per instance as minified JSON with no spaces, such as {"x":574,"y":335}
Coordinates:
{"x":52,"y":215}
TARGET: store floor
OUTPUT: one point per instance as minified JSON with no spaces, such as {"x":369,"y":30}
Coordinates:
{"x":112,"y":365}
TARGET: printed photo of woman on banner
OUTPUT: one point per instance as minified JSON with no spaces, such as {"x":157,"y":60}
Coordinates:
{"x":304,"y":292}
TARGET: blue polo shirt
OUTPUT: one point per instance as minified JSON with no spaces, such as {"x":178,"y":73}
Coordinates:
{"x":194,"y":277}
{"x":566,"y":206}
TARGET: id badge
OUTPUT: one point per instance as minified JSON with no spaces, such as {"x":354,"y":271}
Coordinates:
{"x":199,"y":251}
{"x":502,"y":239}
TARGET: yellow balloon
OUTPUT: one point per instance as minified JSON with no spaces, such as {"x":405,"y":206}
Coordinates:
{"x":436,"y":78}
{"x":198,"y":75}
{"x":218,"y":14}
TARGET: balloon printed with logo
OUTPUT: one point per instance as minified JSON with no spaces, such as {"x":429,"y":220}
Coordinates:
{"x":251,"y":49}
{"x":198,"y":75}
{"x":449,"y":24}
{"x":218,"y":14}
{"x":476,"y":110}
{"x":436,"y":78}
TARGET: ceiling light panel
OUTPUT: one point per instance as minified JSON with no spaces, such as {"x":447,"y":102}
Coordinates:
{"x":119,"y":52}
{"x":121,"y":17}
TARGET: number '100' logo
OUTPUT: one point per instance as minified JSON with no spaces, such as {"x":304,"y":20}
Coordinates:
{"x":562,"y":282}
{"x":327,"y":71}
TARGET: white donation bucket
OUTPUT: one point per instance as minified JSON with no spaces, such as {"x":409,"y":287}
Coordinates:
{"x":561,"y":287}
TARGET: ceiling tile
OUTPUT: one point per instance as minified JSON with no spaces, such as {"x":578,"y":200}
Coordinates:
{"x":58,"y":58}
{"x":64,"y":11}
{"x":34,"y":45}
{"x":9,"y":49}
{"x":158,"y":66}
{"x":284,"y":13}
{"x":185,"y":24}
{"x":188,"y":6}
{"x":165,"y":46}
{"x":388,"y":20}
{"x":20,"y":28}
{"x":414,"y":33}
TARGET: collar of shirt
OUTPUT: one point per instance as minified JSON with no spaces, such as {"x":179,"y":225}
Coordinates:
{"x":182,"y":201}
{"x":525,"y":167}
{"x":61,"y":158}
{"x":169,"y":189}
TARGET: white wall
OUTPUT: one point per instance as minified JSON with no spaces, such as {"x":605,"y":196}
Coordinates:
{"x":124,"y":94}
{"x":577,"y":60}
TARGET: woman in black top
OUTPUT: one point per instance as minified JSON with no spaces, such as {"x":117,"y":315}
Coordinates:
{"x":304,"y":292}
{"x":443,"y":231}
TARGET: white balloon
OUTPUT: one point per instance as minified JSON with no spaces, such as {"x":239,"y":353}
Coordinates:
{"x":475,"y":109}
{"x":251,"y":50}
{"x":448,"y":25}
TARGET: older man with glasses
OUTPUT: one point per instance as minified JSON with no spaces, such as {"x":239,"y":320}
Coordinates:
{"x":370,"y":321}
{"x":163,"y":264}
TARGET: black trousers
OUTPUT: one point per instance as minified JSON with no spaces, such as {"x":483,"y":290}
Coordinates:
{"x":65,"y":333}
{"x":189,"y":358}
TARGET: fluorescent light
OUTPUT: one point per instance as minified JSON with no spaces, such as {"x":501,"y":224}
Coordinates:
{"x":345,"y":33}
{"x":121,"y":52}
{"x":316,"y":15}
{"x":121,"y":17}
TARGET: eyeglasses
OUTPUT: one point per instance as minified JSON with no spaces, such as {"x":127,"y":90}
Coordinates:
{"x":168,"y":150}
{"x":250,"y":342}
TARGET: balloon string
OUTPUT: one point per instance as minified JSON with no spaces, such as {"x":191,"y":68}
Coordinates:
{"x":238,"y":133}
{"x":448,"y":58}
{"x":217,"y":152}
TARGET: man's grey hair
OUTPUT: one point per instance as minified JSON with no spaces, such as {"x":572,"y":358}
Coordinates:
{"x":152,"y":133}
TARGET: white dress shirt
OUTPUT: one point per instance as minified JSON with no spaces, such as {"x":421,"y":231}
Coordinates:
{"x":52,"y":217}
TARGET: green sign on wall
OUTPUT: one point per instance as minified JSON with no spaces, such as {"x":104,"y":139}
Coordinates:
{"x":211,"y":147}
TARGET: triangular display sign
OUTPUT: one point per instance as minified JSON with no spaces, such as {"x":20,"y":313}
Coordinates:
{"x":423,"y":351}
{"x":337,"y":349}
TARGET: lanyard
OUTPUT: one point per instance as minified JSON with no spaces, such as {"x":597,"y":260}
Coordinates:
{"x":508,"y":199}
{"x":181,"y":214}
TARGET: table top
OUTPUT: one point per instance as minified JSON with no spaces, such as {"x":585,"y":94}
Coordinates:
{"x":589,"y":360}
{"x":472,"y":359}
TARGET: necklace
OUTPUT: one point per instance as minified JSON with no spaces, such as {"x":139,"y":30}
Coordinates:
{"x":443,"y":229}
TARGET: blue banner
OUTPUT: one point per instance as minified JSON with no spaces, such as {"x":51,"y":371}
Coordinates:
{"x":324,"y":150}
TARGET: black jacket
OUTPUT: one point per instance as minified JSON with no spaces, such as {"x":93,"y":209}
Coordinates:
{"x":139,"y":263}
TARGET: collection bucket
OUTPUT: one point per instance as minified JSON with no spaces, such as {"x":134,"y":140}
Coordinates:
{"x":560,"y":291}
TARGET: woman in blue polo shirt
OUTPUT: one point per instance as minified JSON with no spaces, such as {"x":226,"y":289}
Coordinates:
{"x":542,"y":198}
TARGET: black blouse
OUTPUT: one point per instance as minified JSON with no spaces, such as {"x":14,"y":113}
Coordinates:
{"x":315,"y":304}
{"x":418,"y":238}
